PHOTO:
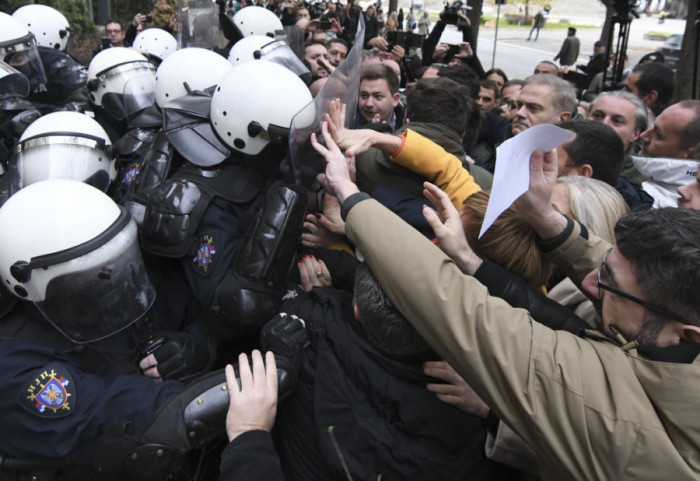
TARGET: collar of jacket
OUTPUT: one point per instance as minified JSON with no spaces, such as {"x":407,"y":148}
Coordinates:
{"x":680,"y":354}
{"x":442,"y":135}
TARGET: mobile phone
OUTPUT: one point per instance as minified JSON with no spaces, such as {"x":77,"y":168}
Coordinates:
{"x":324,"y":25}
{"x":453,"y":50}
{"x":106,"y":43}
{"x":149,"y":18}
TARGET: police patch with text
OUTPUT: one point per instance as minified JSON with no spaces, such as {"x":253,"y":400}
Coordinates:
{"x":50,"y":392}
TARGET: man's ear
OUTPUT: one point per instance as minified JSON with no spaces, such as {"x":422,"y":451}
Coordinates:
{"x":650,"y":98}
{"x":397,"y":97}
{"x":586,"y":170}
{"x":689,"y":153}
{"x":691,"y":333}
{"x":355,"y":311}
{"x":635,"y":136}
{"x":564,"y":116}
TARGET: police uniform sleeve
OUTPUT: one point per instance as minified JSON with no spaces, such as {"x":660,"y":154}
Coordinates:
{"x":53,"y":408}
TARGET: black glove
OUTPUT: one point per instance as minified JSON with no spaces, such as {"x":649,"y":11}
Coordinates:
{"x":286,"y":336}
{"x":181,"y":355}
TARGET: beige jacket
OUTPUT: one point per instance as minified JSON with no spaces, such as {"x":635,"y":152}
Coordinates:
{"x":590,"y":410}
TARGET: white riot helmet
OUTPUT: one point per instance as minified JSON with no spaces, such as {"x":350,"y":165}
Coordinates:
{"x":111,"y":69}
{"x":72,"y":251}
{"x":155,"y":42}
{"x":255,"y":20}
{"x":261,"y":47}
{"x":63,"y":145}
{"x":18,"y":49}
{"x":50,"y":28}
{"x":187,"y":70}
{"x":248,"y":123}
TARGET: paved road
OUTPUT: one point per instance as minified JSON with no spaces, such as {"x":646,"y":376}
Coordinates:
{"x":518,"y":57}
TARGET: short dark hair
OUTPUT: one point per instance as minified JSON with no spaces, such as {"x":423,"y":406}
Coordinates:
{"x":378,"y":71}
{"x":664,"y":247}
{"x":498,"y":72}
{"x":463,"y":75}
{"x":691,"y":134}
{"x":515,"y":81}
{"x":114,"y":20}
{"x":386,"y":328}
{"x":491,"y":85}
{"x":339,"y":40}
{"x":445,"y":102}
{"x":656,"y":76}
{"x":596,"y":144}
{"x":572,"y":30}
{"x":314,"y":42}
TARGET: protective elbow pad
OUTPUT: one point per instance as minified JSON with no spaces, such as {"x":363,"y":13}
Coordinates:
{"x":189,"y":420}
{"x":147,"y":169}
{"x":251,"y":291}
{"x":186,"y":421}
{"x":267,"y":253}
{"x":172,"y":215}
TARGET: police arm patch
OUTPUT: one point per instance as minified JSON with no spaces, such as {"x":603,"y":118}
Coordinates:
{"x":49,"y":392}
{"x":203,"y":260}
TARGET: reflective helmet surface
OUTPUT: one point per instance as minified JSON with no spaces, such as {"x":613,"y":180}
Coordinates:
{"x":71,"y":250}
{"x":63,"y":145}
{"x":18,"y":49}
{"x":256,"y":20}
{"x":198,"y":68}
{"x":247,"y":123}
{"x":155,"y":42}
{"x":112,"y":68}
{"x":49,"y":26}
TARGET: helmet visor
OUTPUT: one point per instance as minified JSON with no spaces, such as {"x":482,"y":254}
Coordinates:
{"x":112,"y":85}
{"x":12,"y":83}
{"x":23,"y":56}
{"x":139,"y":94}
{"x":99,"y":293}
{"x":82,"y":158}
{"x":279,"y":52}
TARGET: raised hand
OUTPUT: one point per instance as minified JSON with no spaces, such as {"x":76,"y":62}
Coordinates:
{"x":447,"y":226}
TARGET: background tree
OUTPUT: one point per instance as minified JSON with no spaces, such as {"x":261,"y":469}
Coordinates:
{"x":688,"y":58}
{"x":162,"y":11}
{"x":75,"y":11}
{"x":474,"y":16}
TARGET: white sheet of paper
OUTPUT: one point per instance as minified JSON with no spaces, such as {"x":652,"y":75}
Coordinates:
{"x":451,"y":35}
{"x":512,"y":176}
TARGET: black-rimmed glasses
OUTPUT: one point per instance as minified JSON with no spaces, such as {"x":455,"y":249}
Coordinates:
{"x":630,"y":297}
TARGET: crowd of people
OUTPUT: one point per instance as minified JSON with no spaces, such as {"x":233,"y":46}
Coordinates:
{"x":248,"y":245}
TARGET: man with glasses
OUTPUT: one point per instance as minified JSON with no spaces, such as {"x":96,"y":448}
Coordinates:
{"x":115,"y":32}
{"x":617,"y":403}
